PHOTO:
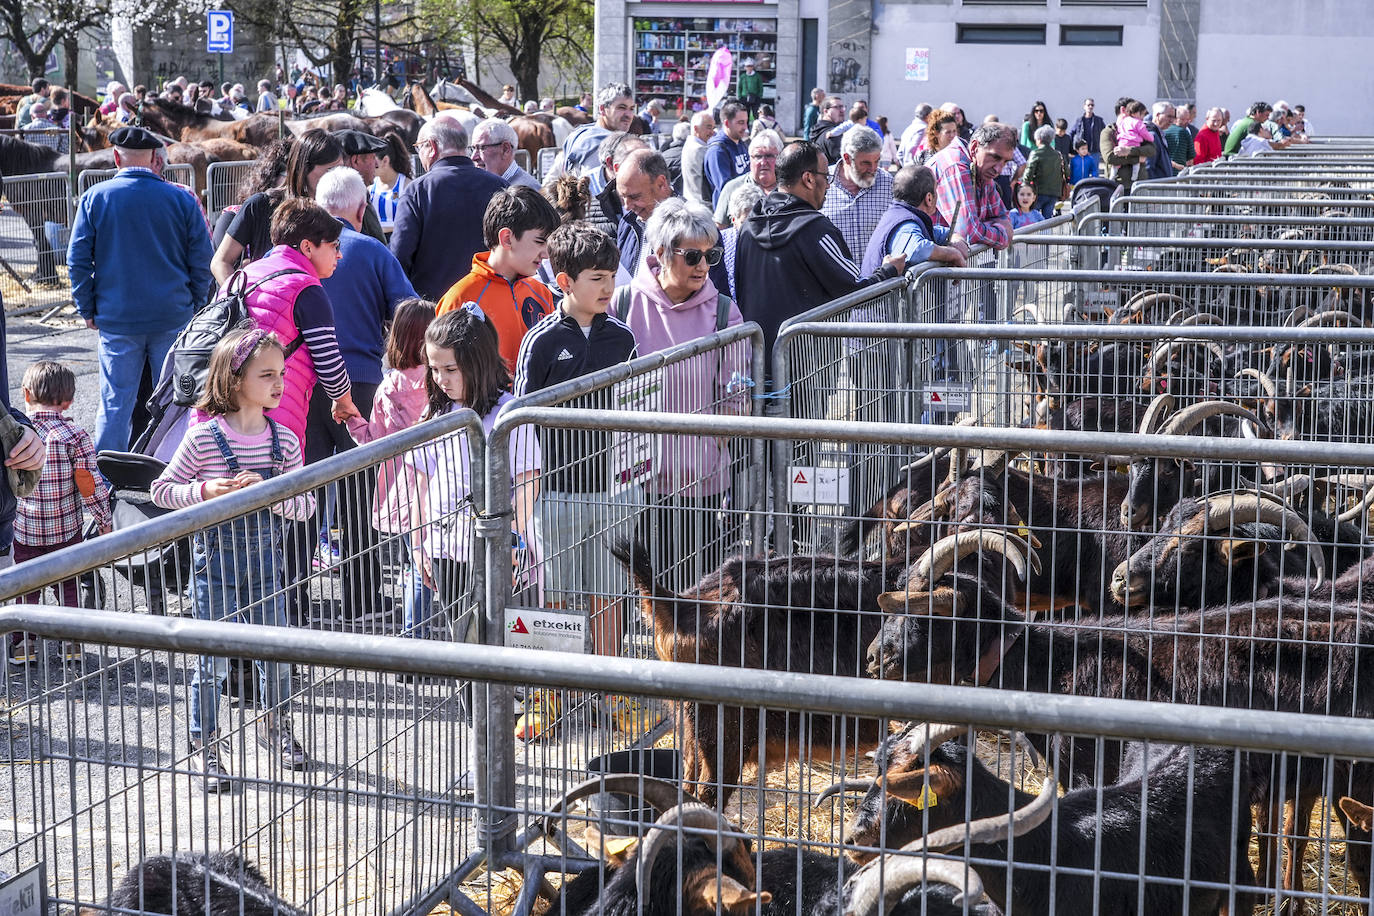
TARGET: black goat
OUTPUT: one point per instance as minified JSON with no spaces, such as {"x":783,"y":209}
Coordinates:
{"x":1075,"y":520}
{"x":809,"y":614}
{"x":1211,"y":551}
{"x":1157,"y":484}
{"x":217,"y":884}
{"x":1142,"y":818}
{"x":717,"y":864}
{"x":1269,"y":654}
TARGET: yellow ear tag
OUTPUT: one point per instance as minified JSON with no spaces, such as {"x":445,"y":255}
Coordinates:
{"x":1024,"y":531}
{"x":927,"y":799}
{"x":619,"y":846}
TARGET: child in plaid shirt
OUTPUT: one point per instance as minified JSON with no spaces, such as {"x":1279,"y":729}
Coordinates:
{"x":50,"y":518}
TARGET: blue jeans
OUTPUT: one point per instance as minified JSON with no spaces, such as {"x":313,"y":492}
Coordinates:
{"x":418,"y":599}
{"x":1044,"y":203}
{"x":122,"y":358}
{"x":238,"y":576}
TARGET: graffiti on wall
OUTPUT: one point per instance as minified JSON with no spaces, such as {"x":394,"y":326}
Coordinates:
{"x":848,"y":66}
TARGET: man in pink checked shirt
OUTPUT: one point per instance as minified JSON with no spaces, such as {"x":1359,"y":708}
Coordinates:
{"x":966,"y":189}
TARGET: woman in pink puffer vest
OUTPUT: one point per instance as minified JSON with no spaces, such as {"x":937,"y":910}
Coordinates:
{"x":291,"y":303}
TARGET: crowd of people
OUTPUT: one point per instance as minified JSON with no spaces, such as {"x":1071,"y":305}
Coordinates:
{"x":381,"y":300}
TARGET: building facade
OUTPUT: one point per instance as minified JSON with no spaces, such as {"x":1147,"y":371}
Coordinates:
{"x":1000,"y":56}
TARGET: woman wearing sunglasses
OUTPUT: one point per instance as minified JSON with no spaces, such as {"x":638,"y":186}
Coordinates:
{"x":671,"y":301}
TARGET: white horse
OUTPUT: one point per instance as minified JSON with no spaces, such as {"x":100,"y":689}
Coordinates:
{"x":374,"y":103}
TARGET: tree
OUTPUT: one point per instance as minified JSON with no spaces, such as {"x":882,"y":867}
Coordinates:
{"x":531,"y":32}
{"x":36,"y":28}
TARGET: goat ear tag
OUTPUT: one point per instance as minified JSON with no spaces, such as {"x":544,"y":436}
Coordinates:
{"x":927,"y":799}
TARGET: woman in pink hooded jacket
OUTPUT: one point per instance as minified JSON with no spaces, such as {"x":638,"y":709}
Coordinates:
{"x":672,"y":301}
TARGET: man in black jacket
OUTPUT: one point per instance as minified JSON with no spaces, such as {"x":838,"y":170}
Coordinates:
{"x":438,"y":225}
{"x":790,"y":258}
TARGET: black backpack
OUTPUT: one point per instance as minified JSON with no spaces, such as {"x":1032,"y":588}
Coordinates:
{"x":190,"y":356}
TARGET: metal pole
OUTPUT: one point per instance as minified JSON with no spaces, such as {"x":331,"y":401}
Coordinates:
{"x":220,"y":55}
{"x":377,"y":20}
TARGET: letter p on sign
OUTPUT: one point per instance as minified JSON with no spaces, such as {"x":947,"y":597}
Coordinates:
{"x":219,"y":31}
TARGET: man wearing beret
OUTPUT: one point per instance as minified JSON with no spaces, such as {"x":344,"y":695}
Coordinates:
{"x":139,"y":261}
{"x":362,"y":148}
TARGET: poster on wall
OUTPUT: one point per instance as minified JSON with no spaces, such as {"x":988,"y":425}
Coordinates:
{"x":918,"y":64}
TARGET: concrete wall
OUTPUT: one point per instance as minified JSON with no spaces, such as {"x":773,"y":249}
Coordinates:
{"x":1322,"y":60}
{"x":1007,"y":79}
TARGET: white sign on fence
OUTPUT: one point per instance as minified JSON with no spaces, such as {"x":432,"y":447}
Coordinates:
{"x":949,"y":398}
{"x":553,"y":631}
{"x":25,"y":894}
{"x":634,"y":456}
{"x":812,"y":485}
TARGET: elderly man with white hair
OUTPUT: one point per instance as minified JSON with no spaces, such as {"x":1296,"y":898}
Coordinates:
{"x":493,"y":148}
{"x":763,"y":161}
{"x":860,"y":192}
{"x":694,"y":185}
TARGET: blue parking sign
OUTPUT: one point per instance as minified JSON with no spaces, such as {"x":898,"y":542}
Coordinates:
{"x":219,"y":31}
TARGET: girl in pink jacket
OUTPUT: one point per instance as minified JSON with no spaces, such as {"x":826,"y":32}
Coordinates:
{"x":399,"y":403}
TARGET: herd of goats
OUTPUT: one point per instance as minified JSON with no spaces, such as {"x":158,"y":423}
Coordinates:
{"x":1125,"y":576}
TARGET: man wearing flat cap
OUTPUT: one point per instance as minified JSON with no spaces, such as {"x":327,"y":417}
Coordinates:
{"x":361,"y":149}
{"x":139,"y":260}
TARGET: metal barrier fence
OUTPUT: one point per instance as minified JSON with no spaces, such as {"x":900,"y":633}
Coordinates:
{"x":1295,"y":253}
{"x":1258,"y":207}
{"x":1093,"y":850}
{"x":101,"y":772}
{"x":547,"y":155}
{"x":1232,"y":225}
{"x":222,"y":181}
{"x":181,"y":173}
{"x":33,"y":240}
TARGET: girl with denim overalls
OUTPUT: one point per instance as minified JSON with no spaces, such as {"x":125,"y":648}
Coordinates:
{"x":238,"y":564}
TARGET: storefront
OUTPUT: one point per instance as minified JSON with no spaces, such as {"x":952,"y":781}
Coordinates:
{"x":663,"y":49}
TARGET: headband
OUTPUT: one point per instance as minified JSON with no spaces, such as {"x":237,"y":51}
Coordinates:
{"x":245,"y":347}
{"x":474,"y":309}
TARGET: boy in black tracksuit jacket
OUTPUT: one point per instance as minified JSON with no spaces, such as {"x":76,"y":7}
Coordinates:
{"x":790,"y":257}
{"x":580,"y":510}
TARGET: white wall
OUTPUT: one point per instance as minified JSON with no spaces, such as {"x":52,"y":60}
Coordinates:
{"x":1316,"y":53}
{"x":1007,"y":79}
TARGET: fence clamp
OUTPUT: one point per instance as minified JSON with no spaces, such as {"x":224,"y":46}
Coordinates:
{"x":494,"y":525}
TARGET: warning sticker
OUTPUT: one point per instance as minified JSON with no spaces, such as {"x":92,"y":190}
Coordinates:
{"x":948,"y":399}
{"x":827,"y":486}
{"x":538,"y":628}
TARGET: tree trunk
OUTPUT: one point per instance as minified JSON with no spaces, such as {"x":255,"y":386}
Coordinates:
{"x":71,"y":60}
{"x":525,"y":67}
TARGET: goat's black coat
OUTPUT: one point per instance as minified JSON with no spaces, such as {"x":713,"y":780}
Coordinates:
{"x":218,"y":884}
{"x":1169,"y":808}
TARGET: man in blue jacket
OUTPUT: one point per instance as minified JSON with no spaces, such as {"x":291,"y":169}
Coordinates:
{"x":364,"y":291}
{"x":727,"y":155}
{"x":139,"y":260}
{"x":438,"y":225}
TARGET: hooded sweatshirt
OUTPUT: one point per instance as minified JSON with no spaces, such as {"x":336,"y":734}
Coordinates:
{"x":791,"y":258}
{"x":690,"y":465}
{"x":725,"y":159}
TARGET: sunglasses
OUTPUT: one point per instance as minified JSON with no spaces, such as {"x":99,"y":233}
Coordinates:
{"x":692,"y":256}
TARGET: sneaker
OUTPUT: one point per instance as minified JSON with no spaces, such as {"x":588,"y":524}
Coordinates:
{"x":542,"y":707}
{"x":274,"y":733}
{"x":214,"y":775}
{"x":23,"y":650}
{"x":626,"y":714}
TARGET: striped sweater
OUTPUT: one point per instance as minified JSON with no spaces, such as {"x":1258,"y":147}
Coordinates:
{"x":198,"y":459}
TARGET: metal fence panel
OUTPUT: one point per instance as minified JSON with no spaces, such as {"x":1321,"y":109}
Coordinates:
{"x":222,"y":180}
{"x":547,"y":155}
{"x":33,"y":232}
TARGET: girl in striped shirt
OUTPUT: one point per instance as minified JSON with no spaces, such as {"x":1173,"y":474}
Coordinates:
{"x":237,"y":564}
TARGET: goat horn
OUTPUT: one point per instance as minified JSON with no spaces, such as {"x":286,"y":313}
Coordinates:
{"x":946,"y":552}
{"x":1323,"y":319}
{"x":895,"y":878}
{"x":1160,"y":406}
{"x":1199,"y":318}
{"x":844,"y":786}
{"x":1265,"y":382}
{"x":1186,"y":420}
{"x":691,"y":815}
{"x":1344,"y":269}
{"x":930,"y":734}
{"x":662,"y":795}
{"x":1229,"y":508}
{"x":1353,"y":481}
{"x":925,"y":461}
{"x":923,"y":513}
